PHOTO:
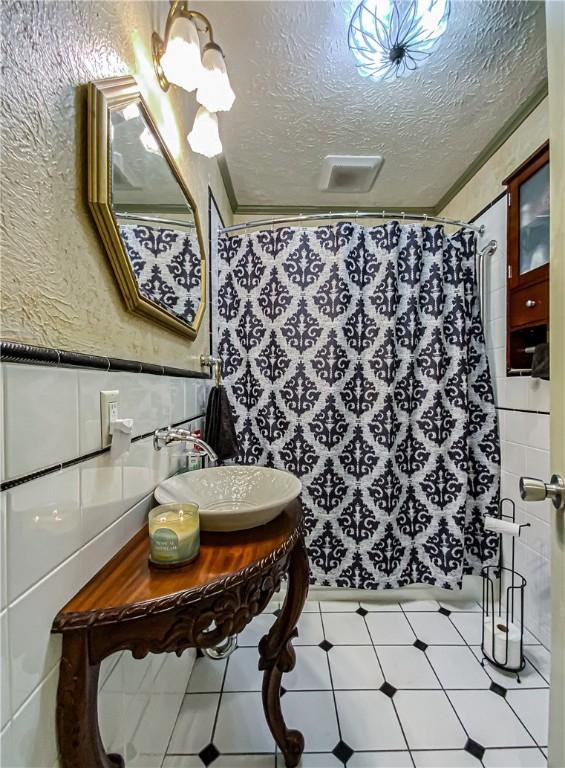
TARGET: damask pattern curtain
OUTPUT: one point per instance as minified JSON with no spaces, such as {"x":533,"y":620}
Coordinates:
{"x":166,"y":265}
{"x":355,"y":358}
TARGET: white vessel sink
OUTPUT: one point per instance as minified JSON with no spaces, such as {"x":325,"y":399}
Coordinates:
{"x":232,"y":498}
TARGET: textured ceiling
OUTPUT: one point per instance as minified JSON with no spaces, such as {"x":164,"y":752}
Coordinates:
{"x":300,"y":98}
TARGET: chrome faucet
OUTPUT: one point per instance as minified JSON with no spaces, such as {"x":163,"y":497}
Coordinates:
{"x":164,"y":437}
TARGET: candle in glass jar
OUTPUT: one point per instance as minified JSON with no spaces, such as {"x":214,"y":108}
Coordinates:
{"x":174,"y":534}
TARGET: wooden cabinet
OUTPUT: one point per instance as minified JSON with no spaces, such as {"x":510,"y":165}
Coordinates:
{"x":528,"y":260}
{"x":529,"y":306}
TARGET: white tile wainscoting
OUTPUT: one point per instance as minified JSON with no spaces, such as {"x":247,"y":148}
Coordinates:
{"x":523,"y":411}
{"x":58,"y":529}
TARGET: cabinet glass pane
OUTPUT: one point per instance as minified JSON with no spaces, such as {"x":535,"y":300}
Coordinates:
{"x":534,"y":221}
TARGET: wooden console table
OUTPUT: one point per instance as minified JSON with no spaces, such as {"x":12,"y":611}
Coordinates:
{"x":130,"y":606}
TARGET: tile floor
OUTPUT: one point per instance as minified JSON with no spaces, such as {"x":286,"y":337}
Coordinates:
{"x":375,"y":686}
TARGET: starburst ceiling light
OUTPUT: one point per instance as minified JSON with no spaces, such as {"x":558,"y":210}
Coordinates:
{"x":392,"y":38}
{"x":178,"y":61}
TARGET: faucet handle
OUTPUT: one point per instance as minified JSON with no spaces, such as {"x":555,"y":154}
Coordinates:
{"x":164,"y":437}
{"x":167,"y":435}
{"x":160,"y":438}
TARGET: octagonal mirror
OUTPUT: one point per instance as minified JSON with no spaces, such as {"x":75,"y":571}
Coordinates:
{"x":144,"y":210}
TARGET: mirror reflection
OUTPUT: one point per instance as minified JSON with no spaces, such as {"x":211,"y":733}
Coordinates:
{"x":155,"y":221}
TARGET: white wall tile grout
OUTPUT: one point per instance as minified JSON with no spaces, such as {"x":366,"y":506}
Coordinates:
{"x":80,"y":549}
{"x":524,"y":434}
{"x":70,"y":522}
{"x":62,"y":405}
{"x":59,"y":529}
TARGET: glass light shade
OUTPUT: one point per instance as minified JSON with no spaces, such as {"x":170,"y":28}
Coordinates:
{"x":181,"y":60}
{"x":392,"y":38}
{"x":204,"y":137}
{"x":149,"y":141}
{"x":214,"y":91}
{"x":130,"y":112}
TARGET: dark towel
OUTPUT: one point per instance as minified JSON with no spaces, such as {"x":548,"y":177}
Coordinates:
{"x":540,"y":362}
{"x":220,"y":429}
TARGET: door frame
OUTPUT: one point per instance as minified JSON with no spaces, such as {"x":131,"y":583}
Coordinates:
{"x":555,"y":26}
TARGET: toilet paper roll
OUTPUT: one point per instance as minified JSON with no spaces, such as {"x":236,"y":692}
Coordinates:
{"x":122,"y":430}
{"x":497,"y":628}
{"x":501,"y":526}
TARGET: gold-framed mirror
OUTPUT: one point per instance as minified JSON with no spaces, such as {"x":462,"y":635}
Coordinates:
{"x":143,"y":208}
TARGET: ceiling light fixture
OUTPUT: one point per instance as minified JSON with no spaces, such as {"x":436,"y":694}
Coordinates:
{"x":204,"y":137}
{"x":178,"y":61}
{"x":392,"y":38}
{"x":214,"y":92}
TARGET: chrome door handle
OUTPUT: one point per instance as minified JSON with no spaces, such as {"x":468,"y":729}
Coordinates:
{"x":530,"y":303}
{"x":532,"y":489}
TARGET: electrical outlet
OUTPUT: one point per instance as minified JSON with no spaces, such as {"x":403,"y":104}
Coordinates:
{"x":109,"y":401}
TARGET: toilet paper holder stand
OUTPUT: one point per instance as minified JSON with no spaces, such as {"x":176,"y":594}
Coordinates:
{"x":502,"y":639}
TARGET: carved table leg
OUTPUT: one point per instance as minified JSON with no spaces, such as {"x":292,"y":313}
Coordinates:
{"x":277,"y":656}
{"x":77,"y":708}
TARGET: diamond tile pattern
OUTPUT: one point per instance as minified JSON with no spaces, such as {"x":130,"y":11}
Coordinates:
{"x":342,"y":751}
{"x":388,"y":689}
{"x":475,"y":749}
{"x":496,"y":688}
{"x":436,"y":707}
{"x":209,"y":754}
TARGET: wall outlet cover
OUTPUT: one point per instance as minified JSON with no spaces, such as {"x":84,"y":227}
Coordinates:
{"x":109,"y":409}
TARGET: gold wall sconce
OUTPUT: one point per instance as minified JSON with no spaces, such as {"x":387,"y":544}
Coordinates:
{"x":179,"y":61}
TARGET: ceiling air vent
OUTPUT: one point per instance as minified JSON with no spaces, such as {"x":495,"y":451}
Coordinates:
{"x":349,"y":173}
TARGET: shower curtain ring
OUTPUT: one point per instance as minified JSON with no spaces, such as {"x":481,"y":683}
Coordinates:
{"x":403,"y":214}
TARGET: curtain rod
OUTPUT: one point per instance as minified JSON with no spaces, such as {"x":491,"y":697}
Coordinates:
{"x":350,"y":215}
{"x":154,"y":220}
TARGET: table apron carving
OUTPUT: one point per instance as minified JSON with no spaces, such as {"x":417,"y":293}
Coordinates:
{"x":194,"y":625}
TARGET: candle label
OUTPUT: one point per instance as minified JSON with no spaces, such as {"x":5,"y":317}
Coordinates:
{"x":194,"y":461}
{"x":165,"y":545}
{"x":166,"y":548}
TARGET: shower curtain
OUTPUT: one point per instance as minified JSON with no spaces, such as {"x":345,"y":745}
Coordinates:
{"x":166,"y":265}
{"x":355,"y":358}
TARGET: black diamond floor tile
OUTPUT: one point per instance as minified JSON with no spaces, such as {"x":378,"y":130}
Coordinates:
{"x":475,"y":749}
{"x":325,"y":645}
{"x":342,"y":751}
{"x":277,"y":612}
{"x":283,"y":690}
{"x":388,"y":689}
{"x":421,"y":646}
{"x":209,"y":754}
{"x":199,"y":653}
{"x":444,"y":611}
{"x":361,"y":611}
{"x":496,"y":688}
